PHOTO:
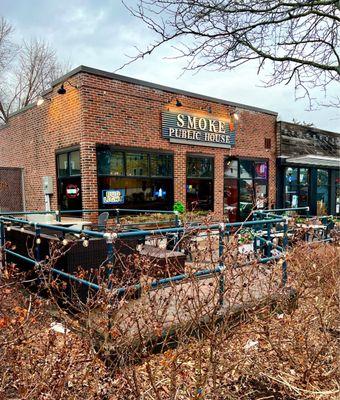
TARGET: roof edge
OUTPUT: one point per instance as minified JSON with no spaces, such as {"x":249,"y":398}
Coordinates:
{"x":127,"y":79}
{"x":313,"y":128}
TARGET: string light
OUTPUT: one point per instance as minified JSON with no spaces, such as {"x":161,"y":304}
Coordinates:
{"x":38,"y":241}
{"x":64,"y":242}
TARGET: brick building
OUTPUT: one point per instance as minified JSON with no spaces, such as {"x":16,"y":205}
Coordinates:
{"x":112,"y":141}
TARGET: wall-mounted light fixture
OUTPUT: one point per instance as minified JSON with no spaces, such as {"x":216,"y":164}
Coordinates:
{"x":62,"y":89}
{"x":235,"y":116}
{"x":41,"y":100}
{"x":178,"y":103}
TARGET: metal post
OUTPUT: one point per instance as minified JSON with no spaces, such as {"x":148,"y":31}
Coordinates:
{"x":255,"y":229}
{"x":176,"y":219}
{"x":2,"y":234}
{"x":2,"y":246}
{"x":58,"y":215}
{"x":268,"y":248}
{"x":109,"y":261}
{"x":284,"y":248}
{"x":117,"y":216}
{"x":221,"y":264}
{"x":37,"y":244}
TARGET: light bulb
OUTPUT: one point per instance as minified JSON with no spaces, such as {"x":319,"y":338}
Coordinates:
{"x":40,"y":101}
{"x":86,"y":243}
{"x":64,"y":242}
{"x":38,"y":241}
{"x":8,"y":228}
{"x":22,"y":229}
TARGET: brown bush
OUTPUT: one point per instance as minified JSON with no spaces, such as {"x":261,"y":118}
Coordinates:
{"x":118,"y":348}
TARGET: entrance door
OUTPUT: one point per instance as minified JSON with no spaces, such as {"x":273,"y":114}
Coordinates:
{"x":70,"y":194}
{"x":69,"y":180}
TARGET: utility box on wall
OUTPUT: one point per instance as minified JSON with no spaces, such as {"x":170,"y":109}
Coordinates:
{"x":47,"y":184}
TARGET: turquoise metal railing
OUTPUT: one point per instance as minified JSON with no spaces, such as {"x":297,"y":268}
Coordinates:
{"x":222,"y":230}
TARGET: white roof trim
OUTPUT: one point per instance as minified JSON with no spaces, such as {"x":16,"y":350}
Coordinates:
{"x":315,"y":160}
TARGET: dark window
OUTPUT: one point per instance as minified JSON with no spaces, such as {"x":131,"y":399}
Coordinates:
{"x":137,"y":193}
{"x":267,"y":143}
{"x":62,"y":165}
{"x":137,"y":164}
{"x":161,"y":165}
{"x":322,"y":192}
{"x":200,"y":184}
{"x":296,"y":187}
{"x":74,"y":160}
{"x":68,"y":164}
{"x":245,"y":187}
{"x":69,"y":181}
{"x":199,"y":167}
{"x":110,"y":163}
{"x":336,"y":182}
{"x":137,"y":180}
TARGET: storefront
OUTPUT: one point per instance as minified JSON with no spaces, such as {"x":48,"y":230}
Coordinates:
{"x":130,"y":178}
{"x":309,"y":169}
{"x":110,"y":141}
{"x":245,"y":186}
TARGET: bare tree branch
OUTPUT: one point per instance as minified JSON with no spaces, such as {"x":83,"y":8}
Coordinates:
{"x":299,"y":39}
{"x":26,"y":71}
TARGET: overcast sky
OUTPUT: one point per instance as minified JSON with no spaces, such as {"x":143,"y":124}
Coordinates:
{"x":101,"y":33}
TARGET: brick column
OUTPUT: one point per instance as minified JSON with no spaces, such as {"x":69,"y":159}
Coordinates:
{"x":272,"y":182}
{"x":89,"y":176}
{"x":218,"y":185}
{"x":180,"y":175}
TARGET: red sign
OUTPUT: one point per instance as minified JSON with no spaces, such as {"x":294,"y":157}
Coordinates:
{"x":72,"y":191}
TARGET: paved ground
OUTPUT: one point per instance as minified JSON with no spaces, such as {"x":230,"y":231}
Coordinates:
{"x":184,"y":305}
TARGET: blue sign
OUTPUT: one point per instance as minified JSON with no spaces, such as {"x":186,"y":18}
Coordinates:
{"x":113,"y":196}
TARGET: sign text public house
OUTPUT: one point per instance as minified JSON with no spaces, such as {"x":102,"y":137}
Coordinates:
{"x":203,"y":131}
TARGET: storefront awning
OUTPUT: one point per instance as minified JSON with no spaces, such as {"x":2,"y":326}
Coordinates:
{"x":321,"y":161}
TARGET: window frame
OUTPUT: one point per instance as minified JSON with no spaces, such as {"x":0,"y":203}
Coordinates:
{"x":253,"y":178}
{"x":201,"y":156}
{"x":146,"y":152}
{"x":201,"y":178}
{"x":298,"y":184}
{"x":68,"y":152}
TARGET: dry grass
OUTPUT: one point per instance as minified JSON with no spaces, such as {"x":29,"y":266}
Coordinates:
{"x":269,"y":352}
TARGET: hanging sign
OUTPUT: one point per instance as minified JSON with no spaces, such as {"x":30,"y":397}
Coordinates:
{"x":72,"y":191}
{"x":113,"y":196}
{"x":203,"y":131}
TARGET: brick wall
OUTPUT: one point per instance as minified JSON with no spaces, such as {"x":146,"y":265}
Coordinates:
{"x":32,"y":136}
{"x":109,"y":111}
{"x":126,"y":114}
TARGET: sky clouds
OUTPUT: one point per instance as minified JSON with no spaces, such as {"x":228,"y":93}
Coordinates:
{"x":100,"y":33}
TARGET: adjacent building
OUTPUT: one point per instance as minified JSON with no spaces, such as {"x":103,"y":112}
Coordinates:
{"x":308,"y":168}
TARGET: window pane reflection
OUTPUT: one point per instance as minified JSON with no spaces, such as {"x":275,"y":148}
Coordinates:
{"x":231,"y":168}
{"x":199,"y":167}
{"x":137,"y":164}
{"x":62,"y":165}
